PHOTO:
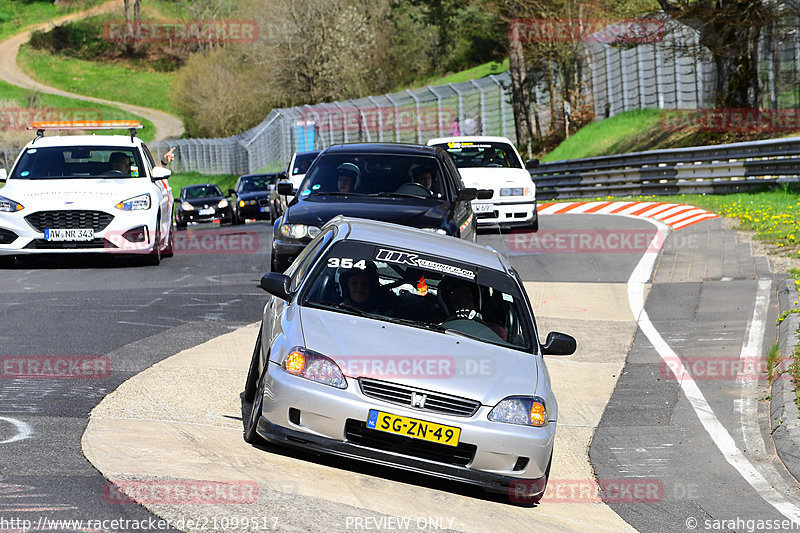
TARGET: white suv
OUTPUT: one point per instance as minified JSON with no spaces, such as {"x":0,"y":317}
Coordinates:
{"x":493,"y":163}
{"x":87,"y":194}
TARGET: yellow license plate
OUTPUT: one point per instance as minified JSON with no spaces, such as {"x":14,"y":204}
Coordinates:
{"x":414,"y":428}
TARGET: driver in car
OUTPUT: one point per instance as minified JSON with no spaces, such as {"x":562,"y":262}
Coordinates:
{"x":120,"y":162}
{"x":462,"y":299}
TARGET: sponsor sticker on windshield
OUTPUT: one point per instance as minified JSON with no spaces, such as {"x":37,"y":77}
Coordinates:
{"x":412,"y":259}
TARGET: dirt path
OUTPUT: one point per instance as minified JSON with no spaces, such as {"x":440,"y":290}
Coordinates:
{"x":166,"y":125}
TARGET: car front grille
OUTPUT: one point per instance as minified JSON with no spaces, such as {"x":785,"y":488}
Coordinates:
{"x":263,"y":202}
{"x":41,"y":244}
{"x":356,"y":432}
{"x":434,"y":402}
{"x":490,"y":214}
{"x":97,"y":220}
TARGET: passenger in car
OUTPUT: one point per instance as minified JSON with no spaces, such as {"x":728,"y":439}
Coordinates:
{"x":347,"y":174}
{"x":361,"y":289}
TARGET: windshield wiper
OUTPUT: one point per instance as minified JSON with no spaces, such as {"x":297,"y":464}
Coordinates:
{"x":343,"y":307}
{"x":397,"y":195}
{"x":336,"y":193}
{"x":416,"y":324}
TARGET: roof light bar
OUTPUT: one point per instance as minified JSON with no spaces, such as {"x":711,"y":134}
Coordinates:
{"x":87,"y":125}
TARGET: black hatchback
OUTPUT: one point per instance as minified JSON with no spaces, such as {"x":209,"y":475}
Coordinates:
{"x":417,"y":186}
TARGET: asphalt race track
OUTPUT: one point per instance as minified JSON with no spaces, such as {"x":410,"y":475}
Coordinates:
{"x":671,"y":454}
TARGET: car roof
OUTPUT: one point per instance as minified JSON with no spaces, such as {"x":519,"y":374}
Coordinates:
{"x":388,"y":234}
{"x":382,"y":148}
{"x":260,"y":175}
{"x":308,"y":152}
{"x":121,"y":141}
{"x":470,"y":138}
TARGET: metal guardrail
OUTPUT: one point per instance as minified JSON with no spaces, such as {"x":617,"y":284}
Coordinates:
{"x":723,"y":168}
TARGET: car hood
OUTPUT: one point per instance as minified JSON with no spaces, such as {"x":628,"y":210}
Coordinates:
{"x":420,"y":358}
{"x":45,"y":194}
{"x":495,"y":178}
{"x":418,"y":213}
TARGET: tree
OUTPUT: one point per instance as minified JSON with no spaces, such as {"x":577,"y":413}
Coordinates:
{"x":730,"y":30}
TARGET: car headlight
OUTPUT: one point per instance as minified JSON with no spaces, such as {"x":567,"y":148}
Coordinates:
{"x":241,"y":203}
{"x":315,"y":367}
{"x":522,"y":410}
{"x":9,"y":206}
{"x":222,"y":204}
{"x":299,"y":231}
{"x":186,"y":206}
{"x":136,"y":203}
{"x":515,"y":191}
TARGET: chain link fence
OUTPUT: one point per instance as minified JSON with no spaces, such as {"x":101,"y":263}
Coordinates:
{"x":481,"y":106}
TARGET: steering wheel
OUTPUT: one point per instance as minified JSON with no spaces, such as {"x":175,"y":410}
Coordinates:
{"x":412,"y":187}
{"x":466,"y":314}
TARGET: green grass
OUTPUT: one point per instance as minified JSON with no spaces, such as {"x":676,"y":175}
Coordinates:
{"x":73,"y":109}
{"x":179,"y":180}
{"x":137,"y":86}
{"x":605,"y":137}
{"x":15,"y":15}
{"x":481,"y":71}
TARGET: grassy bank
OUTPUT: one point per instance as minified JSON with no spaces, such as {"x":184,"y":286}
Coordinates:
{"x":15,"y":15}
{"x":116,"y":82}
{"x":182,"y":179}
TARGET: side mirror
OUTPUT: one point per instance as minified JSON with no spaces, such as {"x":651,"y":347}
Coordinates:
{"x":485,"y":194}
{"x":467,"y":194}
{"x":160,"y":173}
{"x":276,"y":284}
{"x":531,"y":163}
{"x":559,"y":344}
{"x":285,"y":188}
{"x":231,"y":192}
{"x":3,"y":174}
{"x":284,"y":175}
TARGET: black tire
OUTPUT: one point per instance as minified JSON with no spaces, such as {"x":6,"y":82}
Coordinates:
{"x":250,"y":383}
{"x":180,"y":223}
{"x":535,"y":226}
{"x":236,"y":220}
{"x":169,"y":251}
{"x":250,"y":433}
{"x":154,"y":257}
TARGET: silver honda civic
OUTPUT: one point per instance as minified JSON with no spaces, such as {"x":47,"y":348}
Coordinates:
{"x":408,"y":349}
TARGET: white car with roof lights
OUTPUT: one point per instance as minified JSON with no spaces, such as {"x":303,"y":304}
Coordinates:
{"x":86,"y":194}
{"x":493,"y":163}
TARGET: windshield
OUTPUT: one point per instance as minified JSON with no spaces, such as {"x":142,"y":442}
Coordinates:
{"x":201,"y":191}
{"x":375,"y":174}
{"x":483,"y":154}
{"x":256,"y":183}
{"x":421,"y":290}
{"x":302,"y":162}
{"x":79,"y":162}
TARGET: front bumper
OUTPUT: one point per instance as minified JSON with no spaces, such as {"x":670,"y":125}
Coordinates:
{"x":329,"y":420}
{"x":285,"y":252}
{"x":128,"y":232}
{"x":223,"y":215}
{"x":254,"y":212}
{"x":508,"y":213}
